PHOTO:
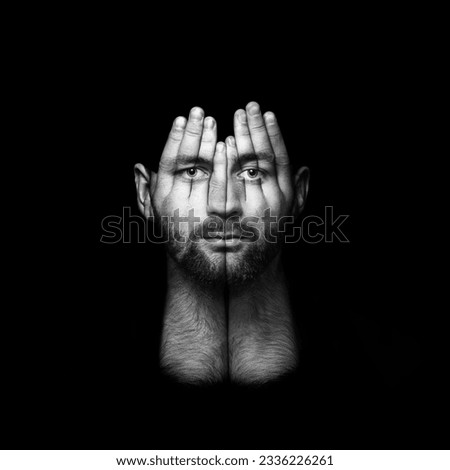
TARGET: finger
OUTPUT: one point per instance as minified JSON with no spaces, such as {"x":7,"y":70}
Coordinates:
{"x":282,"y":163}
{"x":209,"y":139}
{"x":232,"y":156}
{"x":242,"y":134}
{"x":218,"y":182}
{"x":233,"y":163}
{"x":258,"y":133}
{"x":168,"y":160}
{"x":190,"y":144}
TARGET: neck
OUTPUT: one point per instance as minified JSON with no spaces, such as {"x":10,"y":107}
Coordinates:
{"x":261,"y":339}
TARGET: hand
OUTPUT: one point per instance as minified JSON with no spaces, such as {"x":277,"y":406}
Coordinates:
{"x":258,"y":140}
{"x":259,"y":135}
{"x":193,"y":138}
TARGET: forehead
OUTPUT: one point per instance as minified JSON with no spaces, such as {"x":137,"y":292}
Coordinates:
{"x":256,"y":158}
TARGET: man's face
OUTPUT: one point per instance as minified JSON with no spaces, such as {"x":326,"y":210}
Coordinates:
{"x":219,"y":203}
{"x":217,"y":215}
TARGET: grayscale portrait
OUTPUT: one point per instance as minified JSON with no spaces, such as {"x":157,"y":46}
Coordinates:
{"x":227,"y":313}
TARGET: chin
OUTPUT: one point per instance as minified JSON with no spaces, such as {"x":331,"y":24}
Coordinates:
{"x":215,"y":267}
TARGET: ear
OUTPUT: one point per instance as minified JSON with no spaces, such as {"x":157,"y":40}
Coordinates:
{"x":301,"y":187}
{"x":144,"y":185}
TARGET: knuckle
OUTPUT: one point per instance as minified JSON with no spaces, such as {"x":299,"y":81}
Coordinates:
{"x":217,"y":187}
{"x":192,"y":131}
{"x":176,"y":135}
{"x":283,"y":160}
{"x":274,"y":135}
{"x":267,"y":151}
{"x":165,"y":165}
{"x":258,"y":126}
{"x":243,"y":131}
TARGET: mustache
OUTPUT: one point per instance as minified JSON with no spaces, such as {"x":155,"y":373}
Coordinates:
{"x":217,"y":227}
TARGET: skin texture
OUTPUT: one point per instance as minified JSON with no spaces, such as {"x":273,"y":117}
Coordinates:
{"x":227,"y":313}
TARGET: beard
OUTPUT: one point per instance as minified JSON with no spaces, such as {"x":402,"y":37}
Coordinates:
{"x":206,"y":267}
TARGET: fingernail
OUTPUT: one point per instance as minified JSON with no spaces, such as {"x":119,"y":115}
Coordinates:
{"x":242,"y":117}
{"x":209,"y":123}
{"x":253,"y":110}
{"x":230,"y":141}
{"x":220,"y":147}
{"x":180,"y":122}
{"x":196,"y":114}
{"x":270,"y":118}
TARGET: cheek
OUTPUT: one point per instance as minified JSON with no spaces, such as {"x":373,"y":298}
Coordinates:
{"x":198,"y":199}
{"x":185,"y":208}
{"x":274,"y":199}
{"x":186,"y":199}
{"x":260,"y":199}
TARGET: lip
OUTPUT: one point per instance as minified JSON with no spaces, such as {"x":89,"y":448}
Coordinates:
{"x":225,"y":236}
{"x":224,"y":244}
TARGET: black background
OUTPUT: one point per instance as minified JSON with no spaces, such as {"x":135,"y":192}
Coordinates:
{"x":86,"y":367}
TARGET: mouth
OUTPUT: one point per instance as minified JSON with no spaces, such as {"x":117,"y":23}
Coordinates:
{"x":226,"y":241}
{"x":224,"y":236}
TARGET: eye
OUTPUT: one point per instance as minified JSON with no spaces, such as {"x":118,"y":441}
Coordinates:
{"x":251,"y":174}
{"x":195,"y":173}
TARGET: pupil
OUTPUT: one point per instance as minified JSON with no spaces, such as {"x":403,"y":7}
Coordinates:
{"x":192,"y":171}
{"x":252,"y":172}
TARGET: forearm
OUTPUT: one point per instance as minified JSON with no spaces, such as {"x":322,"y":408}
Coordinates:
{"x":262,"y":339}
{"x":262,"y":350}
{"x":194,"y":342}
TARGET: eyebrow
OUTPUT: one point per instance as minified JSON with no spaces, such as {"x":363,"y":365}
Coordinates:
{"x":241,"y":159}
{"x":193,"y":159}
{"x":255,"y":157}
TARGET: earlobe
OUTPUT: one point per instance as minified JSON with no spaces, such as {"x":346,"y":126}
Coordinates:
{"x":301,"y":189}
{"x":142,"y":181}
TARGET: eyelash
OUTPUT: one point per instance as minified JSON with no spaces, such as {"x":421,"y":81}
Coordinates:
{"x":193,"y":177}
{"x":259,"y":173}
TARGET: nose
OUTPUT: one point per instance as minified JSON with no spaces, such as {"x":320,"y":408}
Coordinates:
{"x":223,"y":197}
